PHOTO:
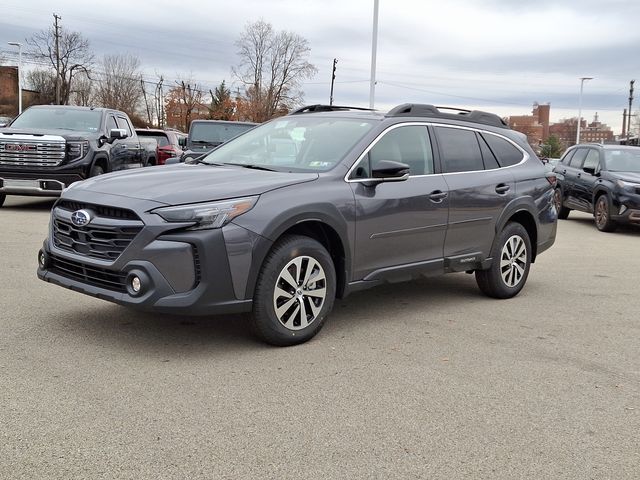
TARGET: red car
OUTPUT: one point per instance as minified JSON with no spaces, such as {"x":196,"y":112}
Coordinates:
{"x":170,"y":142}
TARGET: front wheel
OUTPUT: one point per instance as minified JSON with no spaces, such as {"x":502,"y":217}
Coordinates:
{"x":96,"y":170}
{"x":602,"y":215}
{"x":511,"y":262}
{"x":295,"y":291}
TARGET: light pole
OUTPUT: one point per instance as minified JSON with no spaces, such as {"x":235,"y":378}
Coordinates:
{"x":19,"y":45}
{"x":374,"y":48}
{"x":582,"y":79}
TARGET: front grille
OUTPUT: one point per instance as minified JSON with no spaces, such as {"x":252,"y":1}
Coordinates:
{"x":33,"y":152}
{"x":196,"y":265}
{"x":100,"y":210}
{"x":104,"y":237}
{"x":96,"y":276}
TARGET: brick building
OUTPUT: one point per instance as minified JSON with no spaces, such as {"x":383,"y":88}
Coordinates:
{"x":534,"y":126}
{"x":9,"y":92}
{"x":596,"y":131}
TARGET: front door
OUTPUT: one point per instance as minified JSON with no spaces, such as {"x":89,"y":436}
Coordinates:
{"x":400,"y":226}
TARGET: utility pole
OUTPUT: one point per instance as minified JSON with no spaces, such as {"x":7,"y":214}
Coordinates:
{"x":374,"y":51}
{"x":333,"y":79}
{"x":630,"y":102}
{"x":57,"y":37}
{"x":144,"y":94}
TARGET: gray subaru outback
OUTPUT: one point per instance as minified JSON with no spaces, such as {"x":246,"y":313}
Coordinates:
{"x":306,"y":208}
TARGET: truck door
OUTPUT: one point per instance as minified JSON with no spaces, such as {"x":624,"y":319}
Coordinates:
{"x":132,"y":152}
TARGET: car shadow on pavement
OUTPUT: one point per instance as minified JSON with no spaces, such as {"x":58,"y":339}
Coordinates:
{"x":589,"y":222}
{"x":119,"y":327}
{"x":20,"y":204}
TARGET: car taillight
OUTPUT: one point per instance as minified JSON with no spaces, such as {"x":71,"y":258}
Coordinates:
{"x":164,"y":153}
{"x":552,"y":179}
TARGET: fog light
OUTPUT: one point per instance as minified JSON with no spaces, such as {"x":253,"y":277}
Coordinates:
{"x":42,"y":259}
{"x":623,"y":208}
{"x":136,"y":285}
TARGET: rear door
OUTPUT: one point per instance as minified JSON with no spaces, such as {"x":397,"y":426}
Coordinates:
{"x":479,"y":190}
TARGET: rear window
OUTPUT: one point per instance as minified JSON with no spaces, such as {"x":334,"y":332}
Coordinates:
{"x":162,"y":140}
{"x":506,"y":153}
{"x":460,"y":150}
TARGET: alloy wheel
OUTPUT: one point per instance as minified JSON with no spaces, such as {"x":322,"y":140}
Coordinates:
{"x":513,"y":260}
{"x":299,"y":293}
{"x":602,"y":211}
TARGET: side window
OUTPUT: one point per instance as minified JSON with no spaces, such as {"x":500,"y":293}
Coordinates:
{"x":578,"y":158}
{"x":506,"y":153}
{"x":123,"y":122}
{"x":460,"y":150}
{"x":409,"y":145}
{"x":488,"y":157}
{"x":567,"y":157}
{"x":592,"y":160}
{"x":111,"y":123}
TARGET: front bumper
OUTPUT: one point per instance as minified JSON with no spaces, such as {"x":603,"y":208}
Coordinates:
{"x":180,"y":272}
{"x":42,"y":183}
{"x":627,"y":209}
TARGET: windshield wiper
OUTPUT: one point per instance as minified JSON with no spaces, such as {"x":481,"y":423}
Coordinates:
{"x":253,"y":166}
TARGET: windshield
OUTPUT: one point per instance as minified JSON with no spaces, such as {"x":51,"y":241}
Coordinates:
{"x":59,"y":118}
{"x":216,"y":133}
{"x":623,"y":160}
{"x":294,"y":143}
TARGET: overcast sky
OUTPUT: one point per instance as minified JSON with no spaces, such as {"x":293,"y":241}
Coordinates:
{"x":498,"y":55}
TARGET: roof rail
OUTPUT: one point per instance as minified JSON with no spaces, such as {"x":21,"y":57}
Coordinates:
{"x":425,"y":110}
{"x":327,"y":108}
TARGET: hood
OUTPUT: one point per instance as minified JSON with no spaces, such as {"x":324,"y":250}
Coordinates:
{"x":633,"y":177}
{"x":184,"y":183}
{"x":66,"y":134}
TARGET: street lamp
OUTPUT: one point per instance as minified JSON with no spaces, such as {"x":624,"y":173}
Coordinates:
{"x":582,"y":79}
{"x":19,"y":45}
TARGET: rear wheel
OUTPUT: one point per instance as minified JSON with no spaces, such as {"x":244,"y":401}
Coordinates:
{"x":563,"y":212}
{"x":295,"y":291}
{"x":2,"y":198}
{"x":96,"y":170}
{"x":510,"y":267}
{"x":602,"y":214}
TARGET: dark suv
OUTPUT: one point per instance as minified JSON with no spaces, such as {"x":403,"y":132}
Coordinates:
{"x":600,"y":179}
{"x":306,"y":208}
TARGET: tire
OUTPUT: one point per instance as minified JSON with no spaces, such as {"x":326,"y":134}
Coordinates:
{"x":284,"y":314}
{"x":510,"y":267}
{"x":2,"y":198}
{"x":563,"y":212}
{"x":96,"y":170}
{"x":602,"y":214}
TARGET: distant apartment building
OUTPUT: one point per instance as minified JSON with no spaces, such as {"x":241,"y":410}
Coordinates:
{"x":594,"y":132}
{"x":534,"y":126}
{"x":9,"y":92}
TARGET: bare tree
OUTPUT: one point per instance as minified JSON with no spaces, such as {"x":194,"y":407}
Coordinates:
{"x":73,"y":54}
{"x":119,"y":85}
{"x":82,"y":93}
{"x":272,"y":68}
{"x":44,"y":82}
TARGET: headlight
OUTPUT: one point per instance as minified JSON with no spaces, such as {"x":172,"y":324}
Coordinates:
{"x":76,"y":150}
{"x":628,"y":185}
{"x":207,"y":215}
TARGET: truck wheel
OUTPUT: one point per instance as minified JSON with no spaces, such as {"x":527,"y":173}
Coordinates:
{"x":96,"y":170}
{"x":602,"y":214}
{"x":295,"y":291}
{"x":510,"y":267}
{"x":563,"y":212}
{"x":2,"y":198}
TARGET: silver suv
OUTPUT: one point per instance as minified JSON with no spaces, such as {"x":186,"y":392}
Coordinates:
{"x":306,"y":208}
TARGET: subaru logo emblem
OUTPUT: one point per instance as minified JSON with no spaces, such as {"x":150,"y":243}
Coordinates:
{"x":80,"y":218}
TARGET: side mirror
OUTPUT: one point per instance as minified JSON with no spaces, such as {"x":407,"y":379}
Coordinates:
{"x":117,"y":134}
{"x":388,"y":171}
{"x":182,"y":141}
{"x":590,"y":170}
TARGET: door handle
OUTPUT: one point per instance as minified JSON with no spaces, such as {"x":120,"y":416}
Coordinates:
{"x":437,"y":196}
{"x":579,"y":175}
{"x":502,"y":188}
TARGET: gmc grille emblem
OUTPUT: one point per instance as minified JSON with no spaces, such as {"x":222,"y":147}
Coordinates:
{"x":20,"y":147}
{"x":80,"y":218}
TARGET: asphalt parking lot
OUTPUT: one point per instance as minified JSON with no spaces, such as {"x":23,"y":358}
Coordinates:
{"x":421,"y":380}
